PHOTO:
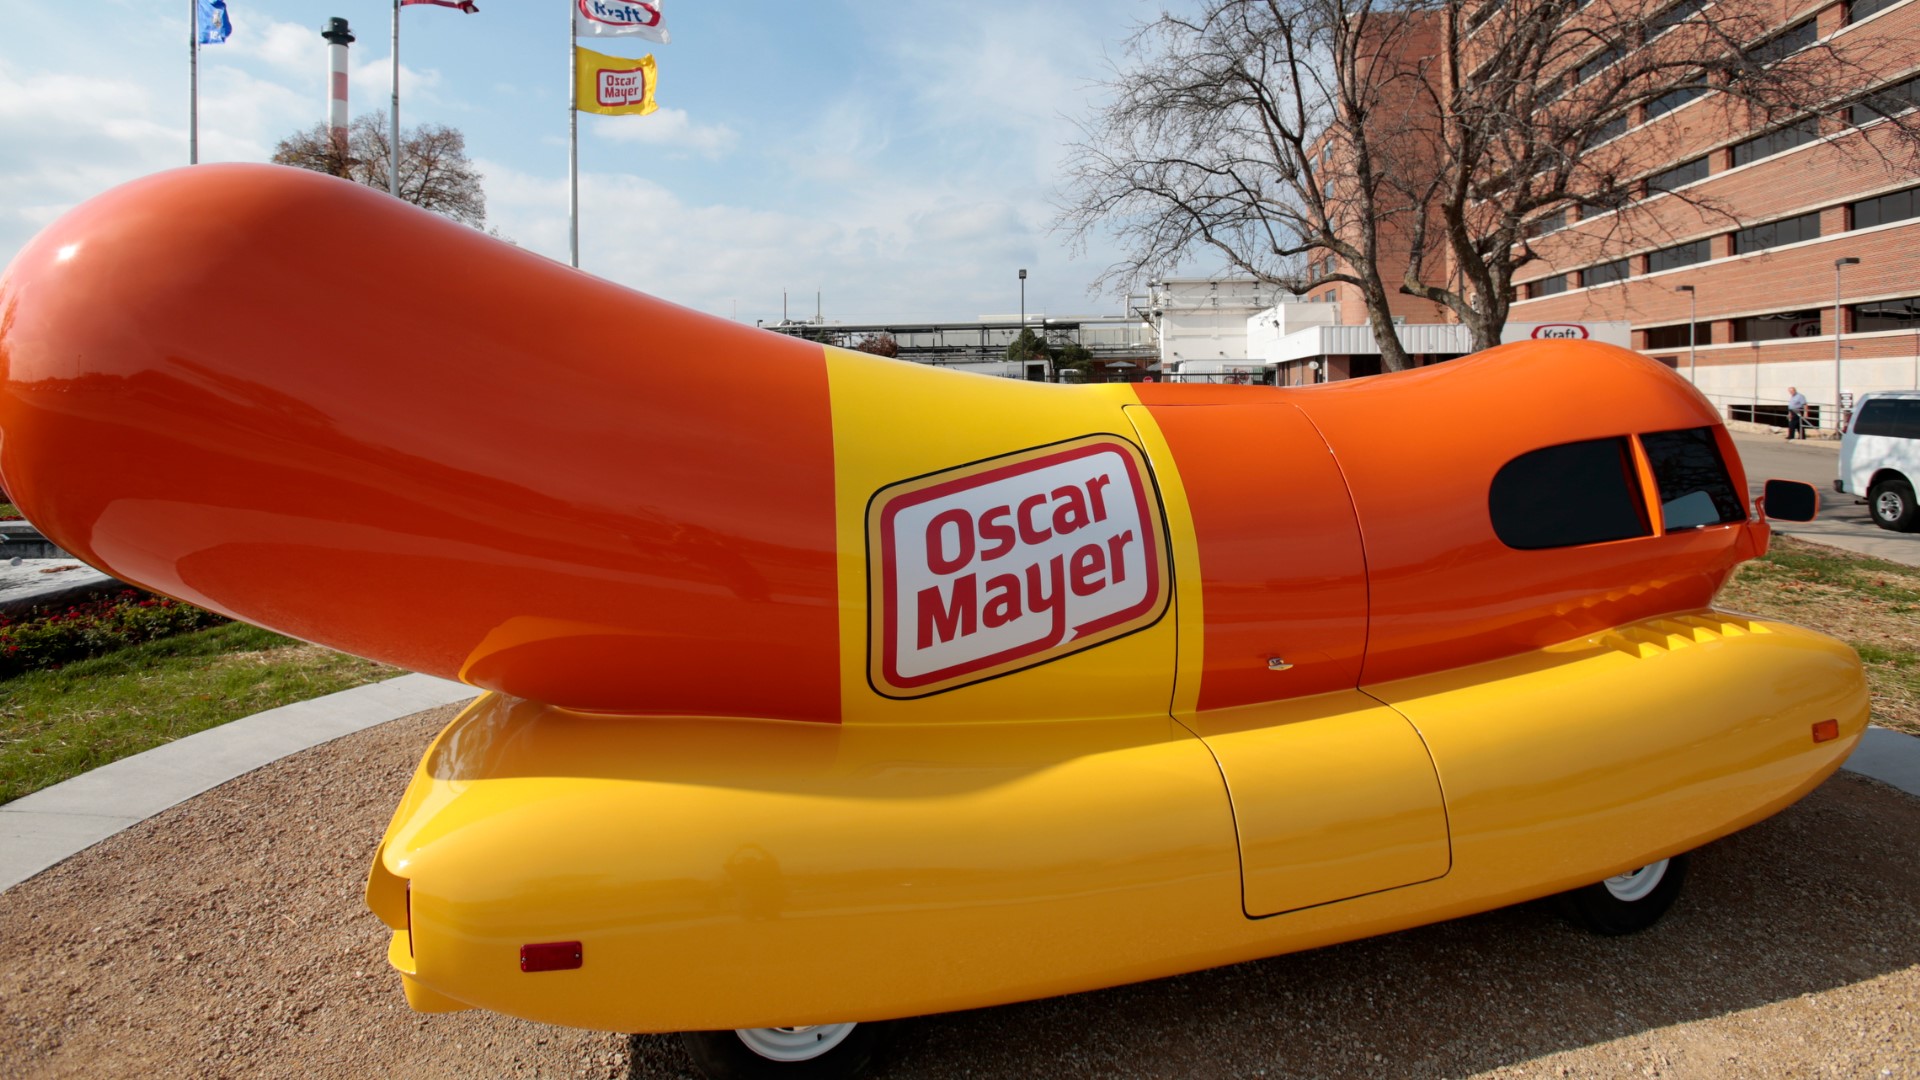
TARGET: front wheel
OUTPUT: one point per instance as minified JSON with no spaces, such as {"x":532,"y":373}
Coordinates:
{"x":1627,"y":903}
{"x":815,"y":1052}
{"x":1891,"y":502}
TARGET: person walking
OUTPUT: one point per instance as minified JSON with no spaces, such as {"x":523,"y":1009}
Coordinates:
{"x":1796,"y":414}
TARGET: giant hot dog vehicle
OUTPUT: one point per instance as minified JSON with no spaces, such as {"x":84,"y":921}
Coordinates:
{"x":822,"y":688}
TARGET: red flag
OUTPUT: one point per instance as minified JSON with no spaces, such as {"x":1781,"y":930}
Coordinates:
{"x":467,"y":6}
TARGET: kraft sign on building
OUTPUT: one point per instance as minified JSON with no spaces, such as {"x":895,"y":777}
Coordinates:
{"x":1610,"y":333}
{"x":997,"y":566}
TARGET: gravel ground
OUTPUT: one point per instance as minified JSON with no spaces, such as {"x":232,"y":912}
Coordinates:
{"x":226,"y":937}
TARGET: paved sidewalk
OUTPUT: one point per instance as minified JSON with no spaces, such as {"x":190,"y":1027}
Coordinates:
{"x":41,"y":829}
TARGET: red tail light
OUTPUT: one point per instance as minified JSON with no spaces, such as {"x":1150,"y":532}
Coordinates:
{"x":550,"y":956}
{"x":1826,"y":731}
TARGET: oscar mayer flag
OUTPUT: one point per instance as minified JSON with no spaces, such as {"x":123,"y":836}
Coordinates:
{"x":606,"y":18}
{"x":614,"y":85}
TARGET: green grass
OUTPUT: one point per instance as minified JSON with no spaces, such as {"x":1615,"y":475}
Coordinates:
{"x":9,"y":512}
{"x":58,"y":724}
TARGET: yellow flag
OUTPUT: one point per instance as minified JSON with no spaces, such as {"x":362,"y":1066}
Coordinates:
{"x":615,"y":85}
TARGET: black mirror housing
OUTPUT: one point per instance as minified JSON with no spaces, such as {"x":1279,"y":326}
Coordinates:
{"x":1790,"y":500}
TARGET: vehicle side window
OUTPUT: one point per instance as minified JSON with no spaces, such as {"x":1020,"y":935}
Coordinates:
{"x":1695,"y":488}
{"x":1897,"y":417}
{"x":1562,"y":496}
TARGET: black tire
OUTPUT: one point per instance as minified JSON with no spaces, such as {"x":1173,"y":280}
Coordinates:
{"x":1891,"y":504}
{"x":783,"y":1053}
{"x":1628,"y":903}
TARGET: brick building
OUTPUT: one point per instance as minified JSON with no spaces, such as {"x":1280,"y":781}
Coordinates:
{"x":1744,"y":227}
{"x":1756,"y":224}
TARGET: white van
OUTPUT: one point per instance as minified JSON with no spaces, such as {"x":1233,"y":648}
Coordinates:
{"x":1880,"y":457}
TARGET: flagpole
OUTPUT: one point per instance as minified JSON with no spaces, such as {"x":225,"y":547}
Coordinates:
{"x":393,"y":131}
{"x":573,"y":137}
{"x":193,"y":82}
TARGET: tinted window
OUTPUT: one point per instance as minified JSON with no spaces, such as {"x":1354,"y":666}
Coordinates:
{"x":1881,"y":209}
{"x":1547,"y":286}
{"x":1675,"y":15}
{"x":1666,"y":103}
{"x":1898,"y":417}
{"x":1775,"y":233}
{"x":1601,"y":62}
{"x":1860,"y":9}
{"x":1678,"y":255}
{"x":1676,"y":337}
{"x":1679,"y":176}
{"x":1578,"y":493}
{"x":1887,"y":315}
{"x":1695,"y":488}
{"x":1887,"y":101}
{"x":1785,"y":43}
{"x":1774,"y":142}
{"x":1784,"y":324}
{"x":1605,"y":273}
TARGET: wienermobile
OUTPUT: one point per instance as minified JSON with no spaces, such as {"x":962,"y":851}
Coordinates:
{"x":823,"y":689}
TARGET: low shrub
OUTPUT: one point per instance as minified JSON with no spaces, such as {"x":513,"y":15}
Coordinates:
{"x":50,"y":639}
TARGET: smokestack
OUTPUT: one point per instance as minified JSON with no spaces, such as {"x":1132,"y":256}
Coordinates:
{"x":338,"y":38}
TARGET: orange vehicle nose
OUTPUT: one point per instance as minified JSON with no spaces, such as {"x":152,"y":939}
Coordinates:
{"x":292,"y":399}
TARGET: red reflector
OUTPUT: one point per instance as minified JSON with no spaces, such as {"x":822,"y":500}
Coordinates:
{"x":550,"y":956}
{"x":1826,"y":731}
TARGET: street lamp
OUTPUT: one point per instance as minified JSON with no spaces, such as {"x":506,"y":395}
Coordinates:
{"x":1692,"y":328}
{"x":1837,"y":327}
{"x":1023,"y":299}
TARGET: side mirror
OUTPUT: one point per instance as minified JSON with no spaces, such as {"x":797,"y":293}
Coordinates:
{"x":1790,"y":500}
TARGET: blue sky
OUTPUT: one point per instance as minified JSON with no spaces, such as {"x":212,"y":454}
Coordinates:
{"x":901,"y":157}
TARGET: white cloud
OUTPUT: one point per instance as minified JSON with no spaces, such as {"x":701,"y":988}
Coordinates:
{"x":664,"y":127}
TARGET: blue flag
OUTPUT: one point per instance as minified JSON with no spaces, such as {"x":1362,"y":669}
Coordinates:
{"x":214,"y":24}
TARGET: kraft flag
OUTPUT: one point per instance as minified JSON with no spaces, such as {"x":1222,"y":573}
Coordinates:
{"x":214,"y":24}
{"x":606,"y":18}
{"x":467,"y":6}
{"x":615,"y":85}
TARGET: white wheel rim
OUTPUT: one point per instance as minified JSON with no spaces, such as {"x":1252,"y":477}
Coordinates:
{"x":1889,"y":505}
{"x":794,"y":1043}
{"x":1637,"y":885}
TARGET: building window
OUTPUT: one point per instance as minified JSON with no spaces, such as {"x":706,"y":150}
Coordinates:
{"x":1606,"y":132}
{"x":1779,"y":325}
{"x":1886,"y":315}
{"x":1675,"y":337}
{"x":1546,"y":286}
{"x":1674,"y":16}
{"x":1666,"y":103}
{"x":1775,"y":233}
{"x":1881,"y":209}
{"x":1486,"y":11}
{"x":1552,"y":223}
{"x":1563,"y":496}
{"x":1861,"y":9}
{"x":1798,"y":133}
{"x":1887,"y":101}
{"x":1677,"y":256}
{"x":1687,"y":172}
{"x":1785,"y":43}
{"x":1606,"y":273}
{"x":1601,"y":61}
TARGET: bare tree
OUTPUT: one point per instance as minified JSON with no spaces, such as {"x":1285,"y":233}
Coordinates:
{"x":878,"y":345}
{"x":1412,"y":146}
{"x":435,"y":173}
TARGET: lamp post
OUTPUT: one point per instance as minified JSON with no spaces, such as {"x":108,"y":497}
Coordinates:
{"x":1837,"y":327}
{"x":1693,"y":324}
{"x":1023,"y":299}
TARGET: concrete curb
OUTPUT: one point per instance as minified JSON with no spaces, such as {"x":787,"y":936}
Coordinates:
{"x":41,"y":829}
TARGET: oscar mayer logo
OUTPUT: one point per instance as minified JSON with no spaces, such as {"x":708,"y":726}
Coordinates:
{"x":1001,"y":565}
{"x":1561,"y":332}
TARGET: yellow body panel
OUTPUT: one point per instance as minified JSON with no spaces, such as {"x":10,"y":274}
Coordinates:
{"x":755,"y":873}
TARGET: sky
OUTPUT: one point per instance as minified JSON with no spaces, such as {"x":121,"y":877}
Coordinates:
{"x":903,"y":158}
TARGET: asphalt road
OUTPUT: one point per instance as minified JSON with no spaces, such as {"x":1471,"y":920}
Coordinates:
{"x":1843,"y":521}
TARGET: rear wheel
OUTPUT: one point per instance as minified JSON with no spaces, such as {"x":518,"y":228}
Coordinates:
{"x":814,"y":1052}
{"x":1891,"y":502}
{"x":1627,"y":903}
